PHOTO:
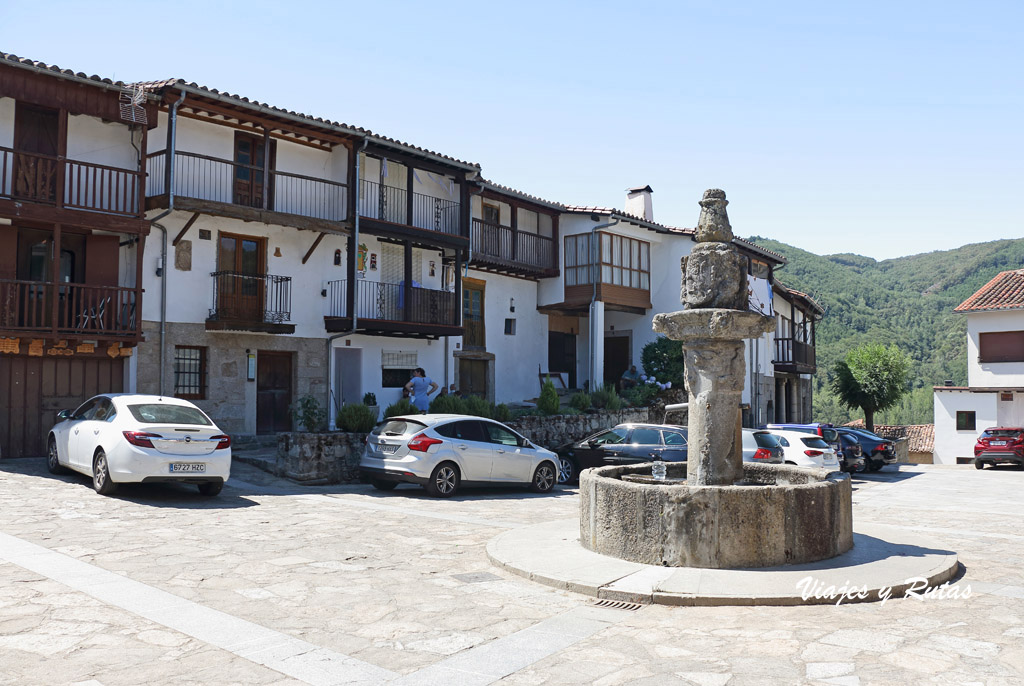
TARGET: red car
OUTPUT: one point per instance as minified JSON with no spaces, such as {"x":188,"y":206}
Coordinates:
{"x":1000,"y":445}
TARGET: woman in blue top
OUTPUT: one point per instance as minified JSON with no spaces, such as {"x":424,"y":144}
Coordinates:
{"x":421,"y":387}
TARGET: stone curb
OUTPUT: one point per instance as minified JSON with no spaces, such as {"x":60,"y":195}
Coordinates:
{"x":882,"y":558}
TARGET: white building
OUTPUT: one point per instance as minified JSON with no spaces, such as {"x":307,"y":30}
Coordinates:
{"x":994,"y":395}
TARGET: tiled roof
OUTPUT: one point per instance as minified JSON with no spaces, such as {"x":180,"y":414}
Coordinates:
{"x":802,"y":296}
{"x":1004,"y":292}
{"x":526,"y":196}
{"x":58,"y":71}
{"x":920,"y":437}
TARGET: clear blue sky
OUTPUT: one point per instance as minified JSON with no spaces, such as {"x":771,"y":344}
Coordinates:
{"x":880,"y":128}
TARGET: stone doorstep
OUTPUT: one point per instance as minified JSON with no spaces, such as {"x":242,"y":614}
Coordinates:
{"x":550,"y":553}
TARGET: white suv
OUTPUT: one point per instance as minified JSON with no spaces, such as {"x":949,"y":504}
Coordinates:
{"x":806,"y":450}
{"x":442,"y":452}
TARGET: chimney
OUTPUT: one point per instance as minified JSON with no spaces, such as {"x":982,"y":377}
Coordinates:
{"x":638,"y":202}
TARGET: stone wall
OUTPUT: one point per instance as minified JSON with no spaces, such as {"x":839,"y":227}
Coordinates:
{"x":333,"y":457}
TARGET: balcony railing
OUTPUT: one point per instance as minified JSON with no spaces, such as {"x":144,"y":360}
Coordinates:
{"x":201,"y":177}
{"x":789,"y":351}
{"x":386,"y":301}
{"x":67,"y":309}
{"x":251,"y":298}
{"x":61,"y":182}
{"x":390,"y":204}
{"x":503,"y":244}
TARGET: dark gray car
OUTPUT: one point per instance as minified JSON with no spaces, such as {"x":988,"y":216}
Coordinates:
{"x":620,"y":445}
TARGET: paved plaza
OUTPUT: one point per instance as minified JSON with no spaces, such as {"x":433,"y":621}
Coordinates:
{"x":272,"y":583}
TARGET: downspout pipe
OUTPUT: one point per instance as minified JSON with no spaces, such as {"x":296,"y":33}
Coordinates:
{"x":355,"y":313}
{"x":593,"y":298}
{"x":173,"y":127}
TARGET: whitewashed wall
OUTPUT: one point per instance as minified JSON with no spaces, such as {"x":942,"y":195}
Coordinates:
{"x":950,"y":443}
{"x":993,"y":374}
{"x":92,"y":140}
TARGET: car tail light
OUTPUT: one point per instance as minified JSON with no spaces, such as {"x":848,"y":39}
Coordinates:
{"x":813,"y":453}
{"x":421,"y":442}
{"x":762,"y":454}
{"x":225,"y":441}
{"x":140,"y":438}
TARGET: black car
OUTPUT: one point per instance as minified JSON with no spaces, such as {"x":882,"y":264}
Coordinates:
{"x":877,"y":451}
{"x":853,"y":455}
{"x":623,"y":444}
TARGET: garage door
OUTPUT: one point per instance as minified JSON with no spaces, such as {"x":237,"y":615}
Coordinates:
{"x":34,"y":389}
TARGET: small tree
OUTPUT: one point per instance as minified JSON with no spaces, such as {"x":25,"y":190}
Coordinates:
{"x":548,"y":402}
{"x":872,"y":378}
{"x":662,"y":358}
{"x":307,"y":412}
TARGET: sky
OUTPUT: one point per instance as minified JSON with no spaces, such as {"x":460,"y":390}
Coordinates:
{"x":878,"y":128}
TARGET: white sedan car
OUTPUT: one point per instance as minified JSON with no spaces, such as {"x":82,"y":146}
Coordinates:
{"x":806,"y":450}
{"x":124,"y":438}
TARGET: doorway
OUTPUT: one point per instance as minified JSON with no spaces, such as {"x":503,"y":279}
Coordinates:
{"x":37,"y":145}
{"x":273,"y":391}
{"x":240,"y":265}
{"x":250,"y":157}
{"x":562,"y":354}
{"x":616,"y":358}
{"x":473,"y":377}
{"x":348,"y":381}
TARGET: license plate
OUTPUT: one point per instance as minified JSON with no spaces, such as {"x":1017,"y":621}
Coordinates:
{"x":188,"y":468}
{"x":997,"y":443}
{"x":388,"y":449}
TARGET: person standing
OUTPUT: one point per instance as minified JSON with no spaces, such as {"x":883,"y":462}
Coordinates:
{"x":421,"y":386}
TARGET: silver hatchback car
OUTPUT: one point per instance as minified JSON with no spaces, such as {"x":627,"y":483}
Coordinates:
{"x":443,"y":452}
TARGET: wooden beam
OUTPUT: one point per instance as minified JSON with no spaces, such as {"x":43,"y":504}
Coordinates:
{"x":48,"y":214}
{"x":325,"y":147}
{"x":184,"y":230}
{"x":266,"y":122}
{"x":413,"y":161}
{"x":247,"y":214}
{"x":309,"y":252}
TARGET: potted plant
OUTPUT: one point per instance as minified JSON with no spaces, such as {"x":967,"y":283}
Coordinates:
{"x":370,"y":400}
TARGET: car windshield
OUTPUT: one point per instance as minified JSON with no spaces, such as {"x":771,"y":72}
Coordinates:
{"x":397,"y":427}
{"x":767,"y":440}
{"x":616,"y":435}
{"x":814,"y":442}
{"x":161,"y":413}
{"x":1001,"y":433}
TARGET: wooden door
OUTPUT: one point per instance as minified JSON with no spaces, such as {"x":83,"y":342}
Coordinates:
{"x":616,"y":358}
{"x":273,"y":392}
{"x":473,"y":377}
{"x":240,"y":280}
{"x":37,"y":146}
{"x":473,"y":316}
{"x":34,"y":389}
{"x":250,"y":158}
{"x":562,"y":354}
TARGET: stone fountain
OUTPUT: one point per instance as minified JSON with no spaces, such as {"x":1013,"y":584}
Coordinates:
{"x":715,"y":511}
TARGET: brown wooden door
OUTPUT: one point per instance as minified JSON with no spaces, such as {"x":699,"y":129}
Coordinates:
{"x":34,"y":389}
{"x":473,"y":377}
{"x":250,"y":158}
{"x":616,"y":358}
{"x":473,"y":317}
{"x":240,"y":284}
{"x":273,"y":392}
{"x":562,"y":354}
{"x":37,"y":145}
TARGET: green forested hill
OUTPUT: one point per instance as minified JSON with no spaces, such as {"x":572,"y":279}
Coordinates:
{"x":908,"y":301}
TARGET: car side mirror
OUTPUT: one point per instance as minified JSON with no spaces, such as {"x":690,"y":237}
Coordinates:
{"x":63,"y":415}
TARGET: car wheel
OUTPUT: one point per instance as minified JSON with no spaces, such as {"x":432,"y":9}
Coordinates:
{"x":444,"y":480}
{"x":872,"y":465}
{"x":211,"y":487}
{"x":543,"y":478}
{"x":52,"y":463}
{"x":382,"y":485}
{"x":567,"y":471}
{"x":101,"y":474}
{"x":978,"y":464}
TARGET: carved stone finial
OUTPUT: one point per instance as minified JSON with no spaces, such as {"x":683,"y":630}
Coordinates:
{"x":713,"y":225}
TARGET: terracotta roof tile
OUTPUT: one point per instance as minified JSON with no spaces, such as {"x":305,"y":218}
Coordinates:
{"x":526,"y":196}
{"x":24,"y":61}
{"x":1004,"y":292}
{"x":802,"y":296}
{"x":920,"y":437}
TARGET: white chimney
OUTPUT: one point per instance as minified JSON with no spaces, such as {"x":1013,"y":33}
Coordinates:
{"x":638,"y":202}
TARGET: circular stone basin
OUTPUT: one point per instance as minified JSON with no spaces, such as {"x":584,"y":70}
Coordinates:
{"x":779,"y":515}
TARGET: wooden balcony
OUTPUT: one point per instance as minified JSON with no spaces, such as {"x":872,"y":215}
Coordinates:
{"x":794,"y":357}
{"x":503,"y":249}
{"x":69,"y":310}
{"x":70,"y":184}
{"x":389,"y":210}
{"x":251,"y":302}
{"x":243,"y":191}
{"x":392,"y":309}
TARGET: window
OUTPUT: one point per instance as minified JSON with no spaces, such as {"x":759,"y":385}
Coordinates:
{"x":612,"y":436}
{"x":965,"y":421}
{"x":169,"y":414}
{"x":510,"y":327}
{"x":673,"y":438}
{"x":623,"y":261}
{"x":492,"y":214}
{"x":500,"y":435}
{"x":1001,"y":346}
{"x":462,"y":431}
{"x":396,"y":367}
{"x":646,"y":437}
{"x":474,"y":337}
{"x":1006,"y":397}
{"x":189,"y":372}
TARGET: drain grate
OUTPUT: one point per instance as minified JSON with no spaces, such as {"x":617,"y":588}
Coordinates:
{"x":617,"y":605}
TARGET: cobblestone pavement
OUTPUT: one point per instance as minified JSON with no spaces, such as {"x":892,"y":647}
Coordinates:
{"x":272,"y":583}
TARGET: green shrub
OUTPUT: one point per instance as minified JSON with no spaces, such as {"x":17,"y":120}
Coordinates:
{"x":307,"y":412}
{"x":478,"y":407}
{"x":502,"y":413}
{"x":447,"y":404}
{"x":580,"y":401}
{"x":605,"y":398}
{"x":614,"y":401}
{"x":663,"y":359}
{"x":640,"y":395}
{"x":369,"y":399}
{"x":356,"y":417}
{"x":401,"y":407}
{"x":548,"y":401}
